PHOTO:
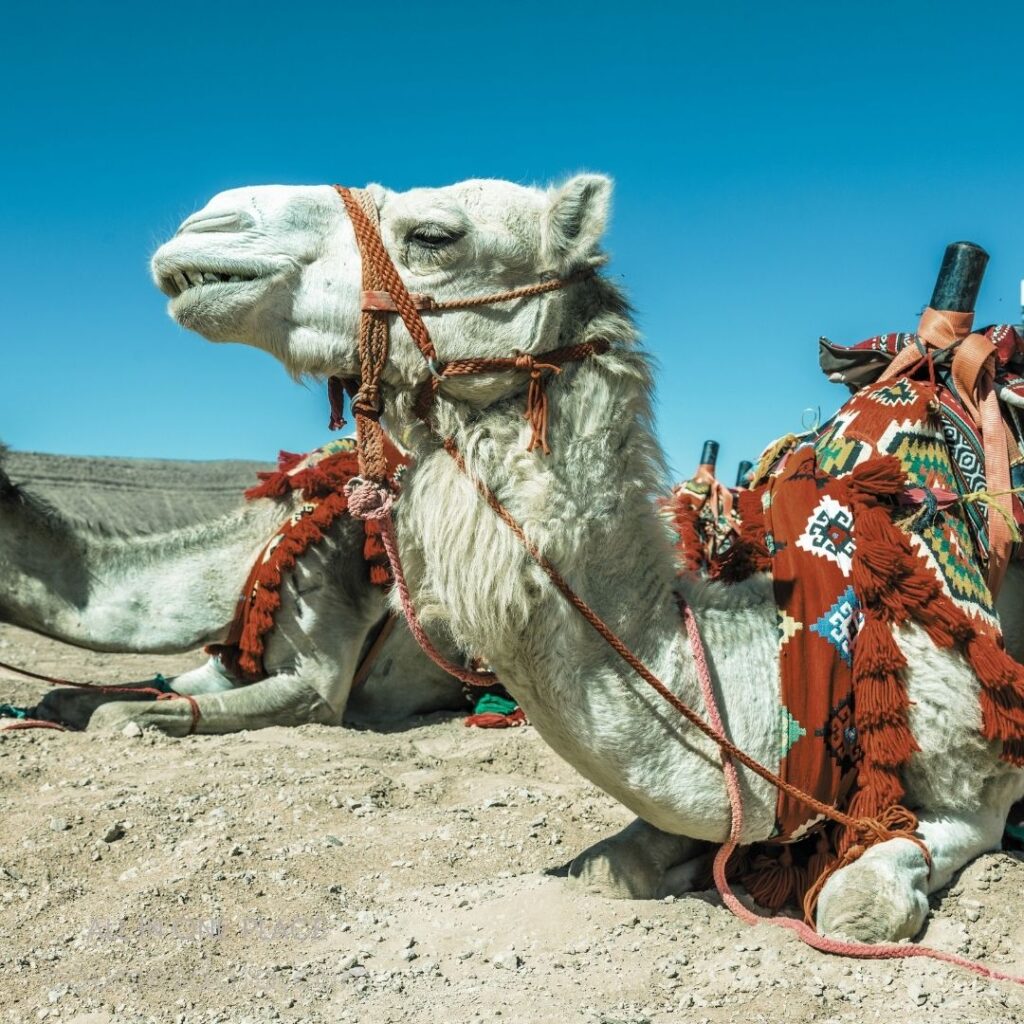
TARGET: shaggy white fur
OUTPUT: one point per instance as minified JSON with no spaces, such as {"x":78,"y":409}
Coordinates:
{"x":588,"y":507}
{"x":174,"y":591}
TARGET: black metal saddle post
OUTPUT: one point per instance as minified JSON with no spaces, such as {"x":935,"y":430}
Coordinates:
{"x":960,"y":276}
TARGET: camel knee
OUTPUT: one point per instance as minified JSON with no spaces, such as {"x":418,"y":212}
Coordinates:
{"x":635,"y":863}
{"x":882,"y":897}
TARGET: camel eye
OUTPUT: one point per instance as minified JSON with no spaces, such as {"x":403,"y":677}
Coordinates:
{"x":434,"y":236}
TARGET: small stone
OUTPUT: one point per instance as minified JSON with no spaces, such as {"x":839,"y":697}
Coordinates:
{"x":115,"y":832}
{"x":348,"y":962}
{"x":132,"y":730}
{"x":507,"y":960}
{"x":408,"y":955}
{"x":59,"y":825}
{"x":918,"y":993}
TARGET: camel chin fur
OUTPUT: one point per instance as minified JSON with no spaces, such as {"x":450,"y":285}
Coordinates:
{"x":588,"y":507}
{"x":174,"y":591}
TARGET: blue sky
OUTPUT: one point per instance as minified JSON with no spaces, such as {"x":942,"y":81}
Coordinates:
{"x":782,"y":171}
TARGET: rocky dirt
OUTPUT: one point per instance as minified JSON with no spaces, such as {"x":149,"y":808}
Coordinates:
{"x":331,"y":875}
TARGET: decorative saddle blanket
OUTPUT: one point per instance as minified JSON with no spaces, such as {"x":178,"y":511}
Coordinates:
{"x":861,"y":364}
{"x":865,"y":526}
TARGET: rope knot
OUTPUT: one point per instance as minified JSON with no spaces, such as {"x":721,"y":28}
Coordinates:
{"x":896,"y":822}
{"x":367,"y":401}
{"x":368,"y":499}
{"x":536,"y":400}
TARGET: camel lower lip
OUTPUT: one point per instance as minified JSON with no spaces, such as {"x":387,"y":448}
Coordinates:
{"x":209,"y":288}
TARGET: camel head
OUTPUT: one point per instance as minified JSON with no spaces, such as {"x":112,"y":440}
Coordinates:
{"x":277,"y":267}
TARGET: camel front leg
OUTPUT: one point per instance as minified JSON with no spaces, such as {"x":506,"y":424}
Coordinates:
{"x":641,"y":862}
{"x":75,"y":708}
{"x":282,"y":699}
{"x":883,"y":896}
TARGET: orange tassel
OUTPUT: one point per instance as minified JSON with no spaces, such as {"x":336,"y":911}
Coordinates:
{"x":774,"y":881}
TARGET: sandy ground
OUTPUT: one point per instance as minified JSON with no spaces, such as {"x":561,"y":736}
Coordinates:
{"x":331,"y":875}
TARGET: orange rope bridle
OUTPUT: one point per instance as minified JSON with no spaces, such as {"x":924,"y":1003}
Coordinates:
{"x":384,"y":292}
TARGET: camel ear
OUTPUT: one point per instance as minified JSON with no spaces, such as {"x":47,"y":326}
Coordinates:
{"x":575,"y":219}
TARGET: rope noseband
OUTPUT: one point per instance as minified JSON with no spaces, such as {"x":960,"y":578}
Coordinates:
{"x":384,"y":293}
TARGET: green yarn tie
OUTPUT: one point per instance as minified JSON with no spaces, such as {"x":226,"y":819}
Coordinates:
{"x":494,"y":704}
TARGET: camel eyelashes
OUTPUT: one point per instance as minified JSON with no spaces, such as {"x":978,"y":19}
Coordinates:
{"x":434,"y":236}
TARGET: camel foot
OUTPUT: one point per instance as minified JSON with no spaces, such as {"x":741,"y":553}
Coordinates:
{"x":880,"y":898}
{"x":76,"y":708}
{"x":171,"y":717}
{"x":639,"y":863}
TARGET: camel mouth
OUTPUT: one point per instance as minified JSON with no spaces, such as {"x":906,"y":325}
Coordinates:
{"x":175,"y":283}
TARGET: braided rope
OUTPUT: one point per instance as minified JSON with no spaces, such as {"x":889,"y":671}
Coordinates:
{"x":378,"y":265}
{"x":525,"y":292}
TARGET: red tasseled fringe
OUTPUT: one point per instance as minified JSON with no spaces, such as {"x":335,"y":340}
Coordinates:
{"x":749,"y":551}
{"x":492,"y":720}
{"x":893,"y":586}
{"x":774,"y":881}
{"x":685,"y":515}
{"x":323,"y":482}
{"x":263,"y":605}
{"x":323,"y":478}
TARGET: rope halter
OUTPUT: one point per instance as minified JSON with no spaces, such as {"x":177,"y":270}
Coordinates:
{"x":384,"y":293}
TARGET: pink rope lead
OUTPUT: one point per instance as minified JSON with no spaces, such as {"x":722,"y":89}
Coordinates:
{"x":860,"y":950}
{"x":369,"y":500}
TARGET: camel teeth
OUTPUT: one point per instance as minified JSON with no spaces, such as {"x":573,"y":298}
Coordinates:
{"x":181,"y":281}
{"x":234,"y":277}
{"x":195,"y":276}
{"x":212,"y":278}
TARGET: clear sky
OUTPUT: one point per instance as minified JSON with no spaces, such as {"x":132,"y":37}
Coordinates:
{"x":783,"y":170}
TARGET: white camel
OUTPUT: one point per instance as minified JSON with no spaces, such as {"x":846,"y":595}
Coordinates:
{"x":278,"y":268}
{"x":171,"y":592}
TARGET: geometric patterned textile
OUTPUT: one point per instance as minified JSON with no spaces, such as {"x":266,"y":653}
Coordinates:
{"x":863,"y":527}
{"x":859,"y":366}
{"x":906,"y":418}
{"x":810,"y":535}
{"x":811,"y":532}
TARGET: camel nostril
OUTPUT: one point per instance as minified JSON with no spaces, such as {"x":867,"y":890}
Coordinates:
{"x":213,"y":221}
